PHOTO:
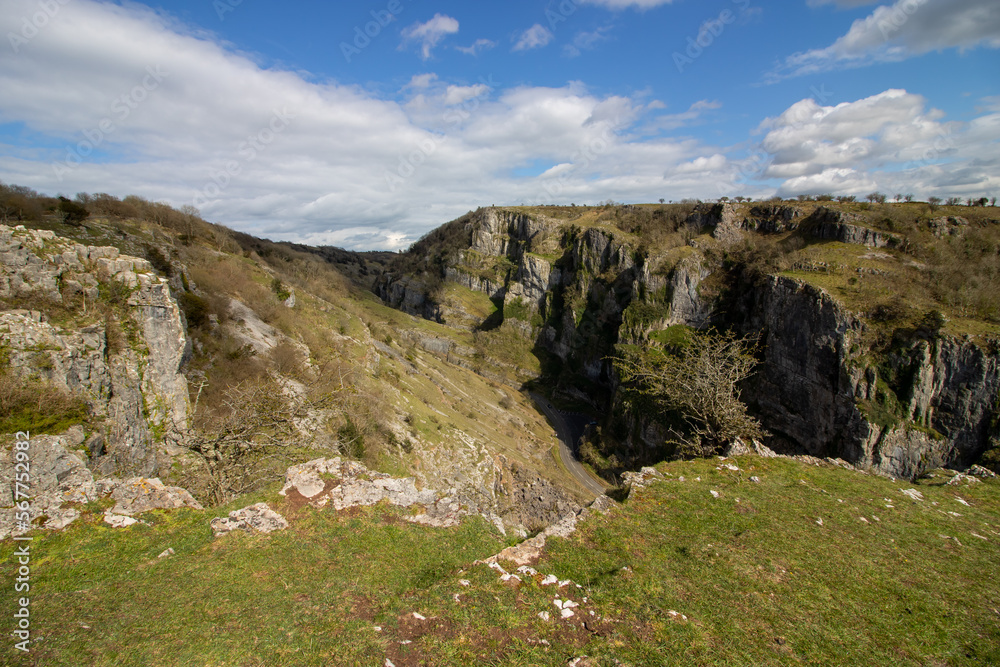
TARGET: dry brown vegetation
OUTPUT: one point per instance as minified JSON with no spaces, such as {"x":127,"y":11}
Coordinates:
{"x":35,"y":406}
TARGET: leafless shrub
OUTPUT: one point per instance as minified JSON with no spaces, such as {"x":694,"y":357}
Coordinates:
{"x":697,"y":382}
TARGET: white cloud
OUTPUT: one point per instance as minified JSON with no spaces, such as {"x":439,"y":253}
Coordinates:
{"x":625,"y":4}
{"x":458,"y":94}
{"x":420,"y":81}
{"x":690,"y":117}
{"x":534,"y":37}
{"x":477,"y":47}
{"x":902,"y":30}
{"x":349,"y":168}
{"x":354,"y":169}
{"x":889,"y":141}
{"x":585,"y":41}
{"x":429,"y":34}
{"x":842,"y":4}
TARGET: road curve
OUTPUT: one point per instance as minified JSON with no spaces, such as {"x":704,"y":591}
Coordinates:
{"x":579,"y":473}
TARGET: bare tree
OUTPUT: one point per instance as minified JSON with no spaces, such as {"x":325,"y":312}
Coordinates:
{"x":250,"y":432}
{"x":698,"y":382}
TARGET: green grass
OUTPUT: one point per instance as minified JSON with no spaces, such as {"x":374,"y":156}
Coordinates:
{"x":759,"y":580}
{"x":307,"y":596}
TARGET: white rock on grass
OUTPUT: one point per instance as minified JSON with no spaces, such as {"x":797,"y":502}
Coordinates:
{"x":118,"y":520}
{"x":140,"y":494}
{"x":257,"y":518}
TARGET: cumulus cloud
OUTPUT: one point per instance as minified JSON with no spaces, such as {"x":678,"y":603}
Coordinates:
{"x":626,"y":4}
{"x":888,"y":141}
{"x":477,"y":47}
{"x":585,"y":41}
{"x":902,"y":30}
{"x":534,"y":37}
{"x":694,"y":114}
{"x":428,"y":35}
{"x":277,"y":154}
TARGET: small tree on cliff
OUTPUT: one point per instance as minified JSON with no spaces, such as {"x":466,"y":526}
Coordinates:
{"x":695,"y":383}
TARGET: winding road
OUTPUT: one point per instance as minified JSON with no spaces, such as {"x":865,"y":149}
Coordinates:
{"x":569,"y":432}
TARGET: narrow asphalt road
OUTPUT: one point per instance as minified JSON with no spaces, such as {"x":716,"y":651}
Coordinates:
{"x":566,"y":442}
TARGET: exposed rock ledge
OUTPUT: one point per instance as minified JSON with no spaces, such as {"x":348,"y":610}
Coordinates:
{"x":528,"y":551}
{"x":344,"y":484}
{"x":60,"y":481}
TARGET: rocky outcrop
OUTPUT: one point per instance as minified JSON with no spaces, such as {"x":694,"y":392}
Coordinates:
{"x":60,"y":482}
{"x":833,"y":225}
{"x":948,"y":226}
{"x":686,"y":303}
{"x":257,"y":518}
{"x":527,"y":501}
{"x":532,"y":282}
{"x":814,"y":384}
{"x":138,"y":388}
{"x":139,"y":495}
{"x":73,"y":360}
{"x":343,"y":484}
{"x":530,"y":549}
{"x":773,"y":219}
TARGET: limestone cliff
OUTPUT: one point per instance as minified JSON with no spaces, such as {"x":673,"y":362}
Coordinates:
{"x":577,"y":291}
{"x":134,"y":385}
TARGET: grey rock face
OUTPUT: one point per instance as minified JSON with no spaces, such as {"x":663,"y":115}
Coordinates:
{"x":72,"y":360}
{"x":836,"y":226}
{"x":528,"y":500}
{"x":686,"y":305}
{"x":139,"y":495}
{"x":810,"y":385}
{"x":60,"y":477}
{"x":136,"y":388}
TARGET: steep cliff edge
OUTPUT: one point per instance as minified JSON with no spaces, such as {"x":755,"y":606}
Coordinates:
{"x":837,"y":376}
{"x":926,"y":403}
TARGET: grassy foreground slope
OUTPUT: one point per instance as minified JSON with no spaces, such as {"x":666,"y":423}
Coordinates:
{"x":808,"y":565}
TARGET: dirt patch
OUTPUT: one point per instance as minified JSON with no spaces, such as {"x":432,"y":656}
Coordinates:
{"x":295,"y":501}
{"x":362,"y":607}
{"x":493,"y":642}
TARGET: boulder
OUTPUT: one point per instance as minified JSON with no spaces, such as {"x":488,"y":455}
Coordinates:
{"x":257,"y":518}
{"x":138,"y":495}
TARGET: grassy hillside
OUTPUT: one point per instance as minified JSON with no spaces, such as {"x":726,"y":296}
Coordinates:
{"x":809,"y":565}
{"x":367,"y":381}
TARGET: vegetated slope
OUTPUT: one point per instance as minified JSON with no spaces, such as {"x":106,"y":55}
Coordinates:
{"x":877,"y":323}
{"x":741,"y":561}
{"x":281,"y":359}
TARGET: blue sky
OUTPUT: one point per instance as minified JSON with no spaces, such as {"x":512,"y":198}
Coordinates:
{"x":288,"y":121}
